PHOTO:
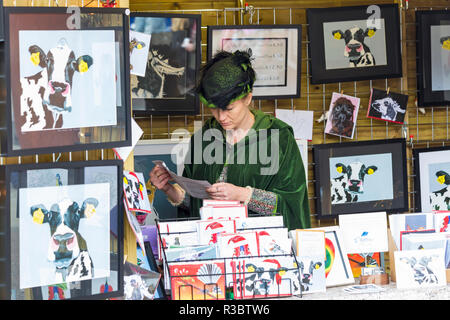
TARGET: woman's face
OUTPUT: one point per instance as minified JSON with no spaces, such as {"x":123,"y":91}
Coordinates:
{"x":235,"y":115}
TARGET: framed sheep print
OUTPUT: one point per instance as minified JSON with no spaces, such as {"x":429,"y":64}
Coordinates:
{"x":361,"y":176}
{"x":387,"y":106}
{"x":166,"y":82}
{"x":433,"y":53}
{"x":432,"y":177}
{"x":276,"y":55}
{"x":354,"y":43}
{"x":68,"y":84}
{"x":63,"y":230}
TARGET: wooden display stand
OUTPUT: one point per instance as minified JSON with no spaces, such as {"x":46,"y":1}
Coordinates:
{"x":392,"y":249}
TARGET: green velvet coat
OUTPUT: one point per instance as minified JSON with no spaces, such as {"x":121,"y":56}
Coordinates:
{"x":249,"y":163}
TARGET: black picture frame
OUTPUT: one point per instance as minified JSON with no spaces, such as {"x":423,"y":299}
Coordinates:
{"x":427,"y":161}
{"x":2,"y":26}
{"x":17,"y":182}
{"x":335,"y":161}
{"x":176,"y":89}
{"x":322,"y":20}
{"x":432,"y":64}
{"x":278,"y":47}
{"x":57,"y":125}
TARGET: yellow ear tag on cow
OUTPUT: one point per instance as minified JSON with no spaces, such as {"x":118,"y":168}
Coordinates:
{"x":139,"y":46}
{"x":370,"y":171}
{"x":282,"y":272}
{"x":370,"y":33}
{"x":89,"y":211}
{"x":316,"y":266}
{"x":250,"y":269}
{"x":83,"y":66}
{"x":35,"y":58}
{"x":339,"y":169}
{"x":125,"y":180}
{"x":446,"y":45}
{"x":441,"y":179}
{"x":337,"y":35}
{"x":38,"y":216}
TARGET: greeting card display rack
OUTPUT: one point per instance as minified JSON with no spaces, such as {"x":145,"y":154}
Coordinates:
{"x":235,"y":280}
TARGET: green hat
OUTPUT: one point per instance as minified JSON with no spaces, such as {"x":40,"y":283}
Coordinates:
{"x":227,"y":77}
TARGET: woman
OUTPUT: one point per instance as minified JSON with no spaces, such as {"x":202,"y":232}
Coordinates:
{"x":245,"y":154}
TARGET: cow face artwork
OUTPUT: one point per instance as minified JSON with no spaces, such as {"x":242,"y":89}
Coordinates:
{"x":357,"y":52}
{"x":47,"y":95}
{"x":67,"y":248}
{"x":349,"y":185}
{"x":423,"y":274}
{"x":307,"y":274}
{"x":440,"y":199}
{"x":342,"y":122}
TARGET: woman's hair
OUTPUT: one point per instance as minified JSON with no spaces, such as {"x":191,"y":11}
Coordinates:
{"x":225,"y":78}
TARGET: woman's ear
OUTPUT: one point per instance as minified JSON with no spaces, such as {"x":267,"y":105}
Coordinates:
{"x":248,"y":98}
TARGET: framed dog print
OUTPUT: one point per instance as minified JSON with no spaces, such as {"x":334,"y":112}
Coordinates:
{"x":173,"y":60}
{"x":64,"y":230}
{"x":68,"y":85}
{"x":354,"y":43}
{"x":433,"y":81}
{"x":432,"y":177}
{"x":276,"y":55}
{"x":359,"y":177}
{"x":387,"y":106}
{"x":342,"y":115}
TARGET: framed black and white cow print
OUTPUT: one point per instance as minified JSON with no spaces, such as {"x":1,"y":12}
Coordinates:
{"x":68,"y":79}
{"x":354,"y":43}
{"x":432,"y":179}
{"x":166,"y":84}
{"x":62,"y":231}
{"x":387,"y":106}
{"x":361,"y":176}
{"x":433,"y":57}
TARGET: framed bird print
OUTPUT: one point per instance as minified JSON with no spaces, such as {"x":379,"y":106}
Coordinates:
{"x":167,"y":81}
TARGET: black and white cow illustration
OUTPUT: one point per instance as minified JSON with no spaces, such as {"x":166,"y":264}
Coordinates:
{"x":423,"y":274}
{"x":356,"y":50}
{"x":349,"y":185}
{"x":388,"y":108}
{"x":67,"y":248}
{"x":47,"y":95}
{"x":440,"y":200}
{"x":307,"y":277}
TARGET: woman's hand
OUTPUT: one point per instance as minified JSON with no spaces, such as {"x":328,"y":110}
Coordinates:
{"x":228,"y":191}
{"x":160,"y":178}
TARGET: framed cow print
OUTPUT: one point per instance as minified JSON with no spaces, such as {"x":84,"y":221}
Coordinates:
{"x":354,"y":43}
{"x":431,"y":180}
{"x":387,"y":106}
{"x":68,"y":79}
{"x":166,"y":83}
{"x":63,"y":230}
{"x":433,"y":57}
{"x":276,"y":55}
{"x":359,"y":177}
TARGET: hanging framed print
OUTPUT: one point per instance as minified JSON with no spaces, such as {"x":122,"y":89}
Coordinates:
{"x":354,"y":43}
{"x":433,"y":45}
{"x":359,"y":177}
{"x":63,"y":230}
{"x":167,"y":83}
{"x":276,"y":55}
{"x":68,"y":84}
{"x":432,"y":177}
